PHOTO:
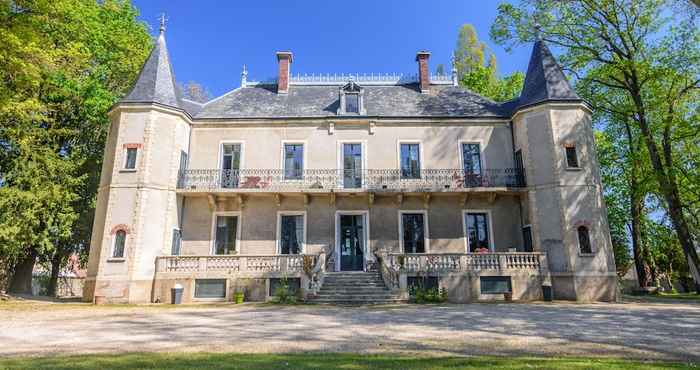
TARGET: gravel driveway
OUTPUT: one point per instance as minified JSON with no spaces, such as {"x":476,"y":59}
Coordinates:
{"x":659,"y":331}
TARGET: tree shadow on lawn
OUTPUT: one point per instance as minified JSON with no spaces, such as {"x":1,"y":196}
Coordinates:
{"x":317,"y":361}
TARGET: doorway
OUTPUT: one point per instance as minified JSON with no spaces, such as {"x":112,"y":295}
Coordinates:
{"x":351,"y":240}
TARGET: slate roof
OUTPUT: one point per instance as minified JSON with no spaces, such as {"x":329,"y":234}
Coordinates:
{"x":322,"y":101}
{"x":544,"y":80}
{"x":156,"y":81}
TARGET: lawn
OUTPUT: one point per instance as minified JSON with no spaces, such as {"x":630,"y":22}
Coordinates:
{"x":665,"y":297}
{"x":203,"y":361}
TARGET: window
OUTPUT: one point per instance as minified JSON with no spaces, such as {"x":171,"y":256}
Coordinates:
{"x":571,"y":157}
{"x":410,"y":161}
{"x":230,"y":165}
{"x":293,"y":286}
{"x":210,"y":288}
{"x":495,"y":284}
{"x":471,"y":158}
{"x":352,"y":103}
{"x":226,"y":234}
{"x":477,"y":230}
{"x":584,"y":240}
{"x":177,"y":241}
{"x":130,"y":163}
{"x":293,"y":161}
{"x":413,"y":232}
{"x":182,"y":169}
{"x":119,"y":242}
{"x":527,"y":239}
{"x":519,"y":168}
{"x":291,"y":233}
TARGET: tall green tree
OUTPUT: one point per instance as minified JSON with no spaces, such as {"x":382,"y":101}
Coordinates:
{"x":641,"y":50}
{"x":65,"y":63}
{"x":477,"y":68}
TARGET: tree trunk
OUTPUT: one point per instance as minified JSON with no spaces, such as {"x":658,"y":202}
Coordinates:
{"x":669,"y":189}
{"x":55,"y":270}
{"x":22,"y":278}
{"x":640,"y":263}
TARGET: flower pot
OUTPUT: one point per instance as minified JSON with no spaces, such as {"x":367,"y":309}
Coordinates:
{"x":238,"y":298}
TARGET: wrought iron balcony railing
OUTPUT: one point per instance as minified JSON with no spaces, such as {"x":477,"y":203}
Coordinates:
{"x":389,"y":180}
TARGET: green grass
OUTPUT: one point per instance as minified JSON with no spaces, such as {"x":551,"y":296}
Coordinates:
{"x":201,"y":361}
{"x":665,"y":297}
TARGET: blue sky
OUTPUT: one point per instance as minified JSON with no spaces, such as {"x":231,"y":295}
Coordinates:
{"x":209,"y":40}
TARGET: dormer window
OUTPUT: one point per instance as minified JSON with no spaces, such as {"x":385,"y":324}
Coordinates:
{"x":351,"y":99}
{"x":352,"y":103}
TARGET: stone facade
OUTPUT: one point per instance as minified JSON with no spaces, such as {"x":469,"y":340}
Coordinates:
{"x":168,"y":202}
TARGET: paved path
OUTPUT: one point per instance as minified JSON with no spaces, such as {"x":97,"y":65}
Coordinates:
{"x":660,"y":331}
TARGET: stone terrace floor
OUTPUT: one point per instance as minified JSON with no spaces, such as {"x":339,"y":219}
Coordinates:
{"x":634,"y":330}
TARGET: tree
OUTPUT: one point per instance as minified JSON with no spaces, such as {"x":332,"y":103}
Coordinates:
{"x":635,"y":49}
{"x":58,"y":82}
{"x":195,"y":91}
{"x":477,"y":69}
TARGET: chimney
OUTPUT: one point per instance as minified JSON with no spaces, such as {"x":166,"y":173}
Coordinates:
{"x":423,"y":71}
{"x":284,"y":60}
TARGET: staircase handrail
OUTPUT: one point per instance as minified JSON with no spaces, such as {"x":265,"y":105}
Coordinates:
{"x":389,"y":274}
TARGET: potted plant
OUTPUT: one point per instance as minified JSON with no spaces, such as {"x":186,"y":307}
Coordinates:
{"x":238,"y":296}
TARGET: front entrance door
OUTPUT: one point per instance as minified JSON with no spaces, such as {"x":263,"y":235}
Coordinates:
{"x":352,"y":240}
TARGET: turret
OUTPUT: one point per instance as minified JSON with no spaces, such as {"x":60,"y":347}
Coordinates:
{"x":136,"y":215}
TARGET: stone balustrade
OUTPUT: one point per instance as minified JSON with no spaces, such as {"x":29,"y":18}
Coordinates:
{"x":239,"y":264}
{"x":464,"y":262}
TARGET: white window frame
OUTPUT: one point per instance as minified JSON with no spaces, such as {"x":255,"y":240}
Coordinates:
{"x":339,"y":158}
{"x":426,"y":234}
{"x":481,"y":154}
{"x":590,"y":240}
{"x":278,"y":243}
{"x":212,"y":247}
{"x":304,"y":156}
{"x":421,"y":149}
{"x":489,"y":219}
{"x":566,"y":157}
{"x":113,"y":245}
{"x":366,"y":247}
{"x":126,"y":158}
{"x":220,"y":158}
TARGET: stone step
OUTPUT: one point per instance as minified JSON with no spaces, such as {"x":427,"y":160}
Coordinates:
{"x":353,"y":290}
{"x":358,"y":301}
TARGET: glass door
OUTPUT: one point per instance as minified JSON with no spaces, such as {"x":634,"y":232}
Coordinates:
{"x":230,"y":165}
{"x":352,"y":242}
{"x":352,"y":165}
{"x":471,"y":162}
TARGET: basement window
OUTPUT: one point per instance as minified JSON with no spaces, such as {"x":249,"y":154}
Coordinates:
{"x":210,"y":288}
{"x":495,"y":284}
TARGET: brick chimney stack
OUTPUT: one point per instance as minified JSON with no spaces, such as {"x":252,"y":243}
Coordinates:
{"x":423,"y":70}
{"x":284,"y":60}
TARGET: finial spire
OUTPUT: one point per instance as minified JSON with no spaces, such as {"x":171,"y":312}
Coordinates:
{"x":244,"y":76}
{"x":162,"y":23}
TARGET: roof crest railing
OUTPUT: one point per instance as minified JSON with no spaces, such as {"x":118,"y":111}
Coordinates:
{"x":359,"y":78}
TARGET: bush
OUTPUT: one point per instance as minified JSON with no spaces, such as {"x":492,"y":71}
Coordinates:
{"x":282,"y":293}
{"x":421,"y":295}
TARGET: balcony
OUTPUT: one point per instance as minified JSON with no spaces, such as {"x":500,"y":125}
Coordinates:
{"x":469,"y":262}
{"x":333,"y":180}
{"x":240,"y":265}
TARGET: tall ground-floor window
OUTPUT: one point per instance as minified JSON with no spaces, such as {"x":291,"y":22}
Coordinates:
{"x":477,"y":230}
{"x":291,"y":233}
{"x":226,"y":234}
{"x":413,"y":232}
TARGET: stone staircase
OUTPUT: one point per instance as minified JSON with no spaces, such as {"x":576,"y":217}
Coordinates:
{"x":355,"y":287}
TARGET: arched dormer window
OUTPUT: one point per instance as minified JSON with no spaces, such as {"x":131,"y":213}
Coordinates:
{"x":351,"y":99}
{"x":584,"y":240}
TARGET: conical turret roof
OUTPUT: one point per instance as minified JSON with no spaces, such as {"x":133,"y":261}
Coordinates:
{"x":545,"y":80}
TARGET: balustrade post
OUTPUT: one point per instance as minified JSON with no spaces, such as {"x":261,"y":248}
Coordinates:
{"x":502,"y":261}
{"x":242,"y":264}
{"x":202,"y":264}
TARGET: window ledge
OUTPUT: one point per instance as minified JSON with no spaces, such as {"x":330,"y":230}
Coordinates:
{"x":586,"y":254}
{"x":574,"y":168}
{"x":128,"y":170}
{"x":116,"y":259}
